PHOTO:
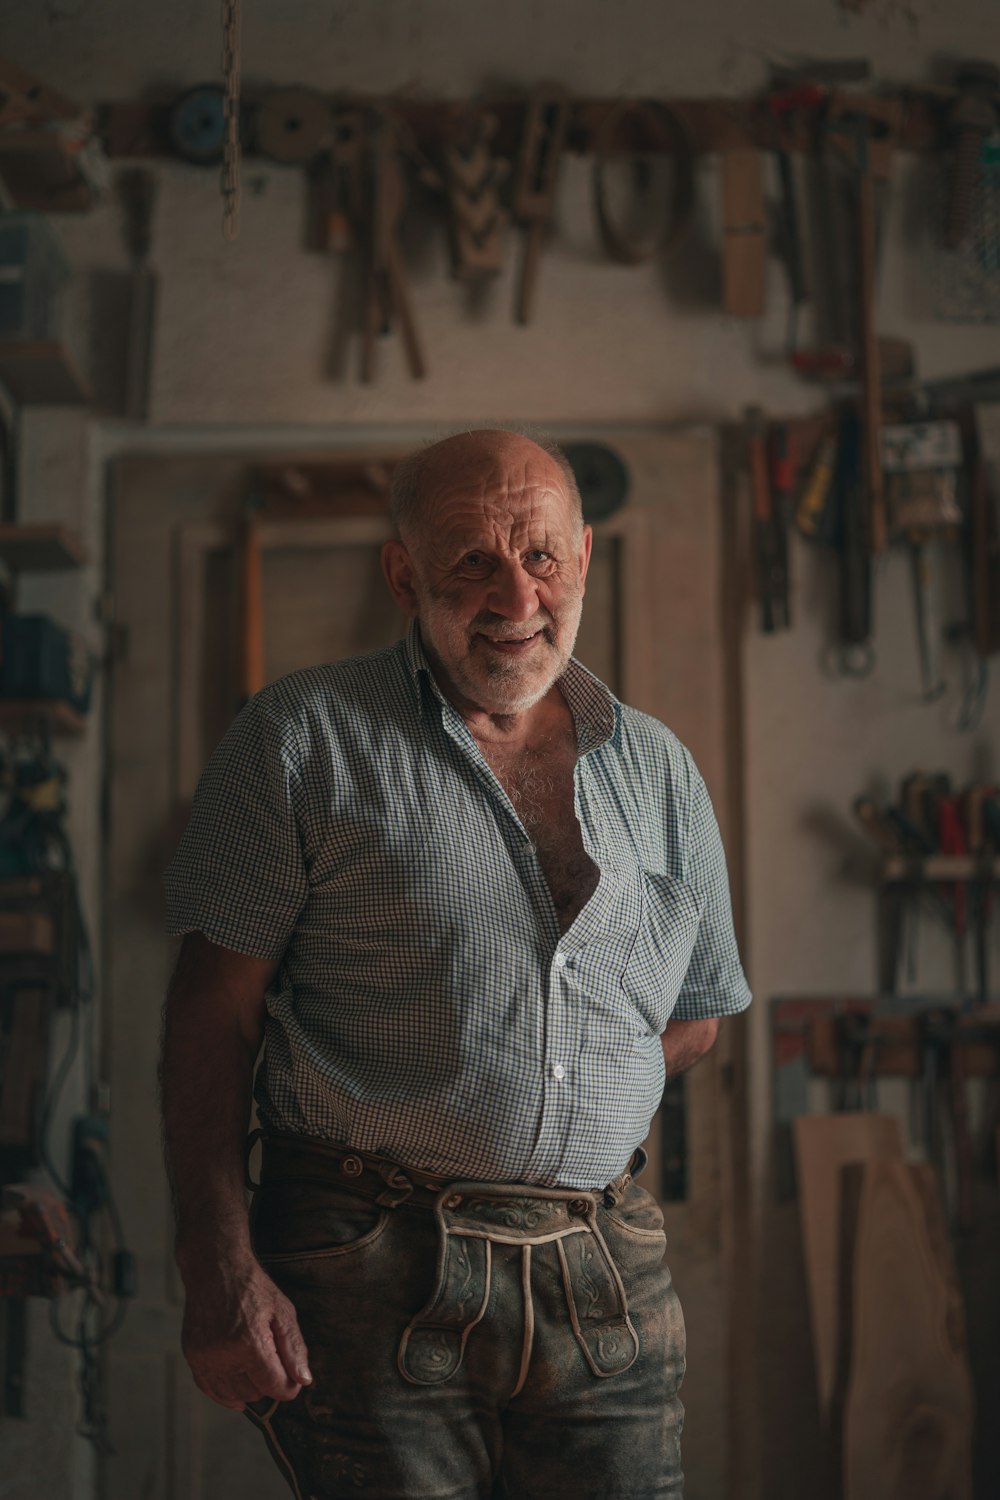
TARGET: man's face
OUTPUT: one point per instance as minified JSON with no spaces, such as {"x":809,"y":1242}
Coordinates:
{"x":495,"y":567}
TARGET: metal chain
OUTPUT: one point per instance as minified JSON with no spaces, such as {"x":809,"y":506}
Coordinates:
{"x":231,"y":86}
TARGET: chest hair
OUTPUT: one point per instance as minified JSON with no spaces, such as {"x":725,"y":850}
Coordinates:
{"x":539,"y":782}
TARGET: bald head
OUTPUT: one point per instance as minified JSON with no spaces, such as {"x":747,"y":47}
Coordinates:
{"x":484,"y":456}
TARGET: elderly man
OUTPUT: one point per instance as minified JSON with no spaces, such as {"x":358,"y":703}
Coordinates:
{"x":470,"y":903}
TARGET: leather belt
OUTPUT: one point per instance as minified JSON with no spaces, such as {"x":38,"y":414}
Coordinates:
{"x":309,"y":1159}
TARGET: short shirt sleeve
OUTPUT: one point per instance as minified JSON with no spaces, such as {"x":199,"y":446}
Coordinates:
{"x":238,"y":874}
{"x":715,"y":984}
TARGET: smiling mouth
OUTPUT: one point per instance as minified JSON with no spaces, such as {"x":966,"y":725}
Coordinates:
{"x":511,"y":644}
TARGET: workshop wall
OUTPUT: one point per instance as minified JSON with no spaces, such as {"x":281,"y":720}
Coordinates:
{"x":251,"y":337}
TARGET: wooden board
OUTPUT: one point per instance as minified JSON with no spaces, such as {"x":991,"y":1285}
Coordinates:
{"x":744,"y":233}
{"x":908,"y":1407}
{"x":824,"y":1144}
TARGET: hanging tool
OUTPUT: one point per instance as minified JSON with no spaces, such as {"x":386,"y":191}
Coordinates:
{"x":196,"y":125}
{"x":984,"y":538}
{"x":928,"y":628}
{"x":857,"y":655}
{"x":785,"y":106}
{"x":863,"y":137}
{"x":973,"y":120}
{"x":964,"y":1209}
{"x":293,"y":126}
{"x":339,"y":185}
{"x":781,"y":465}
{"x":816,"y":515}
{"x":546,"y":126}
{"x":922,"y":462}
{"x":951,"y":841}
{"x":472,"y":177}
{"x":893,"y":895}
{"x":387,"y":299}
{"x":39,"y":1259}
{"x":840,"y":366}
{"x":917,"y":795}
{"x":974,"y":805}
{"x":138,"y":191}
{"x":772,"y":579}
{"x":664,"y":214}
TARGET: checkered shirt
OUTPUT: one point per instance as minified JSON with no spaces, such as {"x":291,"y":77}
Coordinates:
{"x":426,"y":1006}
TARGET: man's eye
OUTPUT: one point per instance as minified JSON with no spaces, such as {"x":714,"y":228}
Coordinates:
{"x":473,"y":559}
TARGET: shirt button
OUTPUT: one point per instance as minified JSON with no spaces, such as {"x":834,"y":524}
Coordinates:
{"x":560,"y":960}
{"x":559,"y":1072}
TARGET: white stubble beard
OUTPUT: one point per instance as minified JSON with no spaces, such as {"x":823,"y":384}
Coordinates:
{"x":507,"y":692}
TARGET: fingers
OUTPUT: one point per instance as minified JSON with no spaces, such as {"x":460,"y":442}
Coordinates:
{"x":246,"y":1348}
{"x":234,"y":1393}
{"x":290,"y":1347}
{"x":260,"y":1375}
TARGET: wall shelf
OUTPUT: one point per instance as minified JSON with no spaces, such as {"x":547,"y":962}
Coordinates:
{"x":40,"y":549}
{"x":41,"y":374}
{"x":913,"y":869}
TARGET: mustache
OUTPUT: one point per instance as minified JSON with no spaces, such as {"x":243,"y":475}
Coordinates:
{"x":500,"y":629}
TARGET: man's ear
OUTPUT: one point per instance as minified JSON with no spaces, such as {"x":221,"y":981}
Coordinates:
{"x":586,"y":542}
{"x":398,"y":570}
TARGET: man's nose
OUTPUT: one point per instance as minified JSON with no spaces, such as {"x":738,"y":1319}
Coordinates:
{"x":513,"y":593}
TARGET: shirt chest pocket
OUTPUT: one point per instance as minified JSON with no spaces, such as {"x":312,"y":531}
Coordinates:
{"x":668,"y":929}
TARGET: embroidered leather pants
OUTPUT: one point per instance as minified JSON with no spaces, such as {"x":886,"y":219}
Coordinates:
{"x":470,"y":1341}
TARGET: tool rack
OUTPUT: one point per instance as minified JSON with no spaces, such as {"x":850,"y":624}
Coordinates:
{"x":860,"y":1038}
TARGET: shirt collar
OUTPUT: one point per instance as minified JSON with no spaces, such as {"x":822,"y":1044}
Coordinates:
{"x":596,"y":711}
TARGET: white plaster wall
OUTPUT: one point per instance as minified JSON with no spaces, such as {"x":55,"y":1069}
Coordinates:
{"x":244,"y":336}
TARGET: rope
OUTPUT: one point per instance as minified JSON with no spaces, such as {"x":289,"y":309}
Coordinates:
{"x":231,"y":88}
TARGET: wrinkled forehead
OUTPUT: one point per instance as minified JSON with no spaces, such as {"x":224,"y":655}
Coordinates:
{"x":508,"y":485}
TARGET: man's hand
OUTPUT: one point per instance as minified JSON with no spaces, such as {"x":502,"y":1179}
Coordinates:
{"x":241,"y":1337}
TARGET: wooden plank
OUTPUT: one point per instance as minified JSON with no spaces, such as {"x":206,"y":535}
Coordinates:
{"x":744,"y":235}
{"x":908,"y":1409}
{"x":824,"y":1144}
{"x":915,"y":870}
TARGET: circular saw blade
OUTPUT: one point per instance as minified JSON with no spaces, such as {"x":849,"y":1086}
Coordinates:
{"x":197,"y":125}
{"x":601,"y":476}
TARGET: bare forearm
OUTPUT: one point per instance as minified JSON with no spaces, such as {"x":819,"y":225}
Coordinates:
{"x":209,"y":1048}
{"x":684,"y":1042}
{"x":240,"y":1334}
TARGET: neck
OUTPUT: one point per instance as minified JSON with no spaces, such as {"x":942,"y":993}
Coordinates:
{"x":512,"y":731}
{"x":517,"y":731}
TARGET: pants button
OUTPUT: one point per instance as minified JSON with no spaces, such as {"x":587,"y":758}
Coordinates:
{"x":453,"y":1200}
{"x":352,"y":1166}
{"x":579,"y":1206}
